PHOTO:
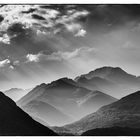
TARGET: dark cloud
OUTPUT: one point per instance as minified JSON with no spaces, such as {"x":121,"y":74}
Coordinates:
{"x":54,"y":6}
{"x":31,"y":10}
{"x":38,"y":17}
{"x":106,"y":17}
{"x":63,"y":8}
{"x":16,"y":29}
{"x":46,"y":6}
{"x":2,"y":5}
{"x":115,"y":14}
{"x":23,"y":41}
{"x":1,"y":18}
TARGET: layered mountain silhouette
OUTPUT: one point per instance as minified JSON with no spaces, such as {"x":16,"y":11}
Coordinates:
{"x":75,"y":107}
{"x":63,"y":101}
{"x":16,"y":93}
{"x":111,"y":80}
{"x":122,"y":113}
{"x":15,"y":122}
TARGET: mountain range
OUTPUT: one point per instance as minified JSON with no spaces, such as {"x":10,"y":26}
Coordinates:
{"x":63,"y":101}
{"x":70,"y":100}
{"x":83,"y":106}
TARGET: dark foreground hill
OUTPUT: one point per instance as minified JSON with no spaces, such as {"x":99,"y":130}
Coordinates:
{"x":15,"y":122}
{"x":113,"y":131}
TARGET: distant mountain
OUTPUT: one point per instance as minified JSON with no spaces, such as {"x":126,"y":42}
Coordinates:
{"x":16,"y":93}
{"x":109,"y":73}
{"x":123,"y":113}
{"x":95,"y":100}
{"x":112,"y":80}
{"x":66,"y":96}
{"x":45,"y":111}
{"x":113,"y":131}
{"x":15,"y":122}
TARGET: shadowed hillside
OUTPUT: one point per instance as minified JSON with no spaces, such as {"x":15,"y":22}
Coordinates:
{"x":14,"y":121}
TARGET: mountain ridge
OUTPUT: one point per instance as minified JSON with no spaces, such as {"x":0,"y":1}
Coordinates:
{"x":67,"y":96}
{"x":16,"y":93}
{"x":111,"y":80}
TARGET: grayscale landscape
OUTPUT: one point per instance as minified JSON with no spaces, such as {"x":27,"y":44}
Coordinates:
{"x":69,"y":70}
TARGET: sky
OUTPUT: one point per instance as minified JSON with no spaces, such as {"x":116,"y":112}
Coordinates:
{"x":41,"y":43}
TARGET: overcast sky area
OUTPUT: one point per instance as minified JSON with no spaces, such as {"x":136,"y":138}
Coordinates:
{"x":41,"y":43}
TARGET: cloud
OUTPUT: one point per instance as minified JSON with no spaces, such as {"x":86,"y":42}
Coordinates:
{"x":70,"y":21}
{"x":41,"y":32}
{"x":72,"y":16}
{"x":16,"y":63}
{"x":59,"y":56}
{"x":5,"y":39}
{"x":33,"y":57}
{"x":81,"y":33}
{"x":4,"y":63}
{"x":42,"y":57}
{"x":73,"y":27}
{"x":11,"y":67}
{"x":46,"y":20}
{"x":12,"y":14}
{"x":50,"y":13}
{"x":78,"y":52}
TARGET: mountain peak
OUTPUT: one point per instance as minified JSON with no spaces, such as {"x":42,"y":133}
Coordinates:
{"x":103,"y":72}
{"x":63,"y":82}
{"x":43,"y":84}
{"x":65,"y":79}
{"x":107,"y":69}
{"x":118,"y":69}
{"x":14,"y":89}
